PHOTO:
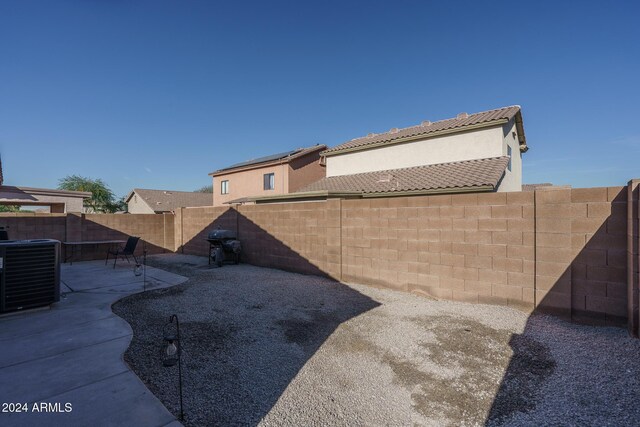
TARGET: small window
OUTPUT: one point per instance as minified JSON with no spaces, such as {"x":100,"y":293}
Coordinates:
{"x":269,"y":181}
{"x":224,"y":187}
{"x":509,"y":154}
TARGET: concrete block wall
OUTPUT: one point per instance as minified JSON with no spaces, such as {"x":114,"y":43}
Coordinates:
{"x":193,"y":224}
{"x":156,"y":230}
{"x":598,"y":248}
{"x":571,"y":252}
{"x":301,"y":237}
{"x":472,"y":247}
{"x":562,"y":251}
{"x":633,"y":255}
{"x":28,"y":225}
{"x":149,"y":227}
{"x":553,"y":258}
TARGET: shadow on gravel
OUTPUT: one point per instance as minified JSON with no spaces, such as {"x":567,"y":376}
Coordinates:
{"x":247,"y":332}
{"x":530,"y":366}
{"x":574,"y":293}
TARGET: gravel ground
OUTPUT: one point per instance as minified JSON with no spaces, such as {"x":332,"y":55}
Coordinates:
{"x":273,"y":348}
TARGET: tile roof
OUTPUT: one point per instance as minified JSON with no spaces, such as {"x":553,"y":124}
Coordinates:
{"x":426,"y":128}
{"x":169,"y":200}
{"x":466,"y":175}
{"x":288,"y":156}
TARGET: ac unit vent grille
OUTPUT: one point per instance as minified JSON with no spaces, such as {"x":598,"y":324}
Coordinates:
{"x":29,"y":276}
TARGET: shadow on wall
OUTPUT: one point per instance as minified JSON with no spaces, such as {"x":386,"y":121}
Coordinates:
{"x":93,"y":230}
{"x":200,"y":226}
{"x":25,"y":226}
{"x":265,"y":250}
{"x":258,"y":246}
{"x":75,"y":228}
{"x":581,"y":277}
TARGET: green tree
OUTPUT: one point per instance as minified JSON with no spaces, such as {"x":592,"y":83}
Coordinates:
{"x":120,"y":205}
{"x":102,"y":199}
{"x":9,"y":208}
{"x":205,"y":189}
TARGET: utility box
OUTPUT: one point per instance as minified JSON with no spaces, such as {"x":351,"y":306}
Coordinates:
{"x":29,"y":274}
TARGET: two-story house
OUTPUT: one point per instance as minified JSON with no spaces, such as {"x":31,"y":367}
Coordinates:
{"x":468,"y":153}
{"x":277,"y":174}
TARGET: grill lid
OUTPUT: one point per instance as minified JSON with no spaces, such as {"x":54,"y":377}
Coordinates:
{"x":222,"y":235}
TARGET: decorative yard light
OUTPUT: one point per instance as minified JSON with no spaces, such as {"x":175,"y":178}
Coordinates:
{"x":141,"y":269}
{"x":173,"y":351}
{"x":144,"y":266}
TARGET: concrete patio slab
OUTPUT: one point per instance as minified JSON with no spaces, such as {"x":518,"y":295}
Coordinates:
{"x":119,"y":400}
{"x":62,"y":340}
{"x":42,"y":378}
{"x":72,"y":353}
{"x":41,"y":321}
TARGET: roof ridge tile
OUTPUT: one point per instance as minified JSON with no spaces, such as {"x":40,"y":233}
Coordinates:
{"x":433,"y":127}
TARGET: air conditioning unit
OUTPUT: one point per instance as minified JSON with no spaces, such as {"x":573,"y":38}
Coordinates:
{"x":29,"y":274}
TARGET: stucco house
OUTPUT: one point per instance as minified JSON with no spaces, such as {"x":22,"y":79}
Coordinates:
{"x":277,"y":174}
{"x":57,"y":201}
{"x":468,"y":153}
{"x":143,"y":201}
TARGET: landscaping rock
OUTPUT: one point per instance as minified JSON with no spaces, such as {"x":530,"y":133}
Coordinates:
{"x":268,"y":347}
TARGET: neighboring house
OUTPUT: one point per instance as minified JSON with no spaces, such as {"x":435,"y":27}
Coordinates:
{"x":468,"y":153}
{"x":141,"y":201}
{"x":267,"y":176}
{"x":57,"y":201}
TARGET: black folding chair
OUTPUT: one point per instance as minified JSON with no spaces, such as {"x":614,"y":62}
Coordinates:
{"x":128,"y":249}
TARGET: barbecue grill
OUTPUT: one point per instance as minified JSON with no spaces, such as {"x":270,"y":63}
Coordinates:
{"x":223,"y":246}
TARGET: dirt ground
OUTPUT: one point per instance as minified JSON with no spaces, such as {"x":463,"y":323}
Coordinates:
{"x":268,"y":347}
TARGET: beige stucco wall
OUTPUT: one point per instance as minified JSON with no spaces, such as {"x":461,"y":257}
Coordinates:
{"x":136,"y":205}
{"x":305,"y":170}
{"x":512,"y":180}
{"x":249,"y":183}
{"x":476,"y":144}
{"x":470,"y":145}
{"x":32,"y":197}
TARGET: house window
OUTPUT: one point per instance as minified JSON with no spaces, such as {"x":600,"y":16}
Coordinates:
{"x":509,"y":154}
{"x":224,"y":187}
{"x":269,"y":181}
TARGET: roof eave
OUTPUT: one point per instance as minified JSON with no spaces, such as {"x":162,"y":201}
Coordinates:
{"x":308,"y":195}
{"x":46,"y":191}
{"x":323,"y":194}
{"x":129,"y":196}
{"x":522,"y":139}
{"x":276,"y":162}
{"x":450,"y":190}
{"x":499,"y":122}
{"x":249,"y":167}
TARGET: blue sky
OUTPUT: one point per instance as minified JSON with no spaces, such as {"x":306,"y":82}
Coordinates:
{"x":158,"y":94}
